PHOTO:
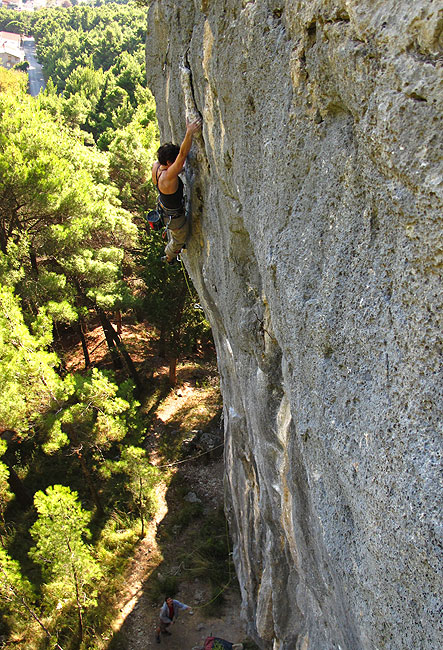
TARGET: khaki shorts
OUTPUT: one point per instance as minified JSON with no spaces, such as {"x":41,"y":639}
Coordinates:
{"x":177,"y":234}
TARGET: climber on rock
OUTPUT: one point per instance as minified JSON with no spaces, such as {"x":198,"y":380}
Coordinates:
{"x":165,"y":176}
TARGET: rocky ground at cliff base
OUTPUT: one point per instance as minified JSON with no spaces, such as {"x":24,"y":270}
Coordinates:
{"x":198,"y":478}
{"x":135,"y":628}
{"x":185,"y":424}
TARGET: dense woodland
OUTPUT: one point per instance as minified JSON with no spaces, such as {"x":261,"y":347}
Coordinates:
{"x":76,"y":486}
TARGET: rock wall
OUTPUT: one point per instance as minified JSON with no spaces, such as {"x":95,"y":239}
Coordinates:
{"x":316,"y":250}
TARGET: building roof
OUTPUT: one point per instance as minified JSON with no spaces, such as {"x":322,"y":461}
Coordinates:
{"x":10,"y":36}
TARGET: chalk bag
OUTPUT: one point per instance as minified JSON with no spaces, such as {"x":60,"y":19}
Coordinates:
{"x":154,"y":220}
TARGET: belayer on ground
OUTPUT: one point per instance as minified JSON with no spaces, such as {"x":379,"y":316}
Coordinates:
{"x":165,"y":176}
{"x":168,"y":614}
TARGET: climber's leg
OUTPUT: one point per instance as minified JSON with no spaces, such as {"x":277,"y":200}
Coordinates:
{"x":177,"y":234}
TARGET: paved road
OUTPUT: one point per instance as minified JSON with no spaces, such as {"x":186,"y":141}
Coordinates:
{"x":36,"y":80}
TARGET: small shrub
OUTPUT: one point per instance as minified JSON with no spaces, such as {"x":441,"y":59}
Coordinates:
{"x":160,"y":586}
{"x":187,"y":513}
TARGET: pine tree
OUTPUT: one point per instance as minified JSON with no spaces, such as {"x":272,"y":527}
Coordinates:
{"x":62,"y":231}
{"x":142,"y":477}
{"x":96,"y":414}
{"x":17,"y":596}
{"x":29,"y":384}
{"x":68,"y":565}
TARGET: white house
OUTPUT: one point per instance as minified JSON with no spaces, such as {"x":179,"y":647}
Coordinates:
{"x":9,"y":57}
{"x":11,"y":50}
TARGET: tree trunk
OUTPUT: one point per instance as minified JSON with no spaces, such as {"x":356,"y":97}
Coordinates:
{"x":131,"y":367}
{"x":90,"y":483}
{"x":3,"y":241}
{"x":109,"y":335}
{"x":125,"y":354}
{"x":34,"y":266}
{"x":118,"y":316}
{"x":172,"y":371}
{"x":84,"y":344}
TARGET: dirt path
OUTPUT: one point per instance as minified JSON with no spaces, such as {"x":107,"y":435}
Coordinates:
{"x":191,"y":406}
{"x":135,"y":626}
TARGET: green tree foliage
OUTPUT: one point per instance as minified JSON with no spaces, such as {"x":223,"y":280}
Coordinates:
{"x":16,"y":593}
{"x":14,"y":21}
{"x":62,"y":230}
{"x":94,"y":57}
{"x":171,"y":303}
{"x":58,"y":215}
{"x":142,"y":477}
{"x":69,"y":568}
{"x":96,"y":414}
{"x":67,"y":37}
{"x":12,"y":81}
{"x":22,"y":67}
{"x":18,"y":598}
{"x":29,"y":386}
{"x":132,"y":154}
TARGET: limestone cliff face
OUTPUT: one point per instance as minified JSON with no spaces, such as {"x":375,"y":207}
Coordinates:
{"x":316,"y":219}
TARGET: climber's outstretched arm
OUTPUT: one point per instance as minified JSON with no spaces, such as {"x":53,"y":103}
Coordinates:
{"x":177,"y":166}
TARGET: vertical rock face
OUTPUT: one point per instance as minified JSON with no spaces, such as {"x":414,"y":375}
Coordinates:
{"x":316,"y":235}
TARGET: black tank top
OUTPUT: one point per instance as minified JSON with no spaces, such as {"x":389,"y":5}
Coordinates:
{"x":172,"y":201}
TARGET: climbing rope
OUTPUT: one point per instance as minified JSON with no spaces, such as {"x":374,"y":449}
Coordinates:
{"x":229,"y":573}
{"x":214,"y":598}
{"x":196,"y":304}
{"x":188,"y":460}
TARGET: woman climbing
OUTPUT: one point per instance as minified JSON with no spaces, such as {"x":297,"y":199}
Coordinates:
{"x":165,"y":176}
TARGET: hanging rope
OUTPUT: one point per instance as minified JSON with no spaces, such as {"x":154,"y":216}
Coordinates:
{"x":196,"y":304}
{"x":229,"y":573}
{"x":188,"y":460}
{"x":214,"y":598}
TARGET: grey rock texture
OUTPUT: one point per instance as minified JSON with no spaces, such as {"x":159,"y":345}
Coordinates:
{"x":316,"y":249}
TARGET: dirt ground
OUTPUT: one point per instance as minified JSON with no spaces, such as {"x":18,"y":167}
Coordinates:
{"x":135,"y":627}
{"x":191,"y":405}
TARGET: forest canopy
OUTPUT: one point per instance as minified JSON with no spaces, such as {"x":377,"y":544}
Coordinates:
{"x":74,"y":254}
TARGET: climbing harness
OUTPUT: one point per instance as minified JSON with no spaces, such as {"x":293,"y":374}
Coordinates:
{"x":161,"y":217}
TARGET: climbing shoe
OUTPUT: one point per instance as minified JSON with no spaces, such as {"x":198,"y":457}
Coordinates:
{"x":173,"y":261}
{"x":157,"y":638}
